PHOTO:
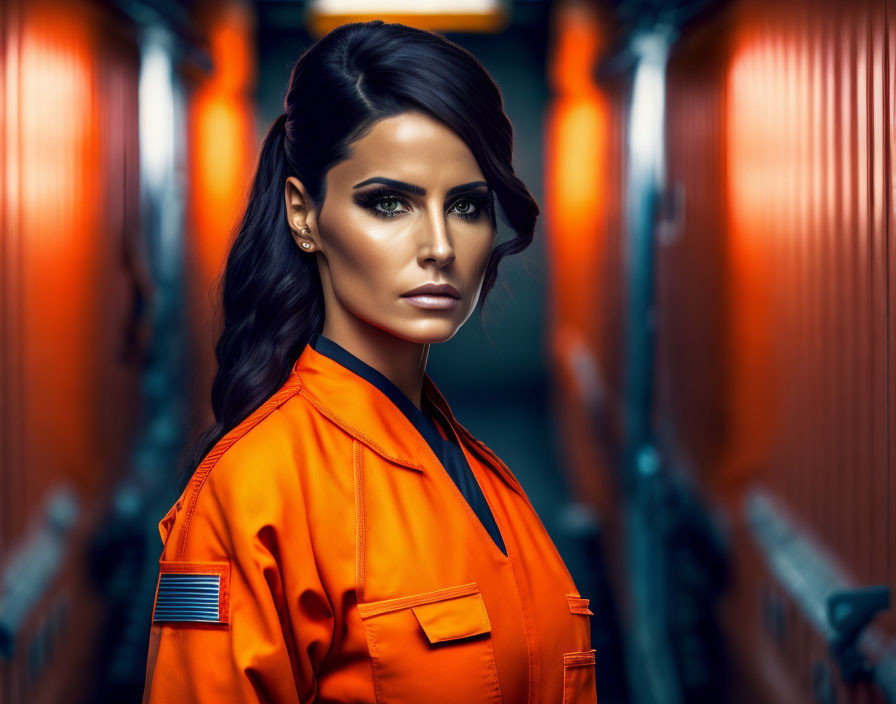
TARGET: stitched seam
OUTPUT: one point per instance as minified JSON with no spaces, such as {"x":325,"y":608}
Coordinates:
{"x":577,"y":659}
{"x":565,"y":681}
{"x":375,"y":664}
{"x":357,"y":433}
{"x":485,"y":452}
{"x":293,"y":386}
{"x":375,"y":608}
{"x":360,"y":522}
{"x":493,"y":666}
{"x":579,"y":605}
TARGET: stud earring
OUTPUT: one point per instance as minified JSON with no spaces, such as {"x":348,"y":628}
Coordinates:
{"x":305,"y":231}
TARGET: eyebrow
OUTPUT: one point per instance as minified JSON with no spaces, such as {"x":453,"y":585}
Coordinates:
{"x":417,"y":190}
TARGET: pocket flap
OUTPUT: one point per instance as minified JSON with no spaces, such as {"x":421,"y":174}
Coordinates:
{"x":578,"y":605}
{"x":581,"y":657}
{"x":450,"y":619}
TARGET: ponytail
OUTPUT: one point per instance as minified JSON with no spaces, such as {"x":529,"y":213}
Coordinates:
{"x":271,"y":299}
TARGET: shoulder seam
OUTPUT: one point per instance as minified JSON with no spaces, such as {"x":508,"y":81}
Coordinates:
{"x":287,"y":391}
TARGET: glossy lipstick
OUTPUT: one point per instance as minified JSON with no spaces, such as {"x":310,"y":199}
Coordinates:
{"x":433,"y":296}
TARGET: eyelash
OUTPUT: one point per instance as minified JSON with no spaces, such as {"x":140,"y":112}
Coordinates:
{"x":370,"y":200}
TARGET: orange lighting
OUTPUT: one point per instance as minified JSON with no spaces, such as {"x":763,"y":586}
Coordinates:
{"x":769,"y":178}
{"x":576,"y":162}
{"x":223,"y":156}
{"x":57,"y":210}
{"x":222,"y":130}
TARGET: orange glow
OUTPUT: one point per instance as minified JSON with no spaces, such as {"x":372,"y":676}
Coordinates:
{"x":223,"y":139}
{"x":575,"y":181}
{"x":773,"y":183}
{"x":576,"y":145}
{"x":223,"y":157}
{"x":61,"y":187}
{"x":221,"y":170}
{"x":760,"y":186}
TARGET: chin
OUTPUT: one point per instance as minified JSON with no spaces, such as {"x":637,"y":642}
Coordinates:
{"x":426,"y":331}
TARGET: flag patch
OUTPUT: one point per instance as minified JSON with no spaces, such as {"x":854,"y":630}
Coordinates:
{"x":192,"y":592}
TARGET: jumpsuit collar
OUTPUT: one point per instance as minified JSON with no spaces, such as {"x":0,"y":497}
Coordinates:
{"x":368,"y":406}
{"x":420,"y":420}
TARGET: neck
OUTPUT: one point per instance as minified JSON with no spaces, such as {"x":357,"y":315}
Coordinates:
{"x":401,"y":361}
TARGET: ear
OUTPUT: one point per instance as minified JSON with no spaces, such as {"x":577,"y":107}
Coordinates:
{"x":300,"y":214}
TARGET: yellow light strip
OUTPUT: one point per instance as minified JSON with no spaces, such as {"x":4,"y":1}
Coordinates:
{"x":460,"y":16}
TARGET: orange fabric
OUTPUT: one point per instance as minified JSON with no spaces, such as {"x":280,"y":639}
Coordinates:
{"x":358,"y":571}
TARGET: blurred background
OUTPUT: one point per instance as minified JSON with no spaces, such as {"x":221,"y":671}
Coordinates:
{"x":691,"y":370}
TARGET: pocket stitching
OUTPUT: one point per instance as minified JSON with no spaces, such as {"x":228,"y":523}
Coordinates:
{"x":383,"y":606}
{"x":581,"y":657}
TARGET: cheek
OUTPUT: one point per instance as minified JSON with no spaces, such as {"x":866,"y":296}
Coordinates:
{"x":363,"y":261}
{"x":480,"y":251}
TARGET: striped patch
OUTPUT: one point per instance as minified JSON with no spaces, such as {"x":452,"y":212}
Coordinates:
{"x":192,"y":592}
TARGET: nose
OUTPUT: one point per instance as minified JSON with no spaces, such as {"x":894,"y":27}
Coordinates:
{"x":435,"y":241}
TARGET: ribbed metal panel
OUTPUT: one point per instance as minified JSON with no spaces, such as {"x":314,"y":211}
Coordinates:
{"x":69,"y":360}
{"x":889,"y":164}
{"x":775,"y":299}
{"x":775,"y":314}
{"x":691,"y":280}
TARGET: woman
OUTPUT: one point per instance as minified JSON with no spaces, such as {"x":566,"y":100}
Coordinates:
{"x":344,"y":538}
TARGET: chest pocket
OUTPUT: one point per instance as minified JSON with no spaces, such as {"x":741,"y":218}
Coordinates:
{"x":432,"y":647}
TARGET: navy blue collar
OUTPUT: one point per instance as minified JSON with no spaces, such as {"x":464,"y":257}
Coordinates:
{"x":420,"y":420}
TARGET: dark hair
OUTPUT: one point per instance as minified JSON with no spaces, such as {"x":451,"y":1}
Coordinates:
{"x":356,"y":75}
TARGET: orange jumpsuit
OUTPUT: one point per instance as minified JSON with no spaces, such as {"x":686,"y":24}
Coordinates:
{"x":321,"y":553}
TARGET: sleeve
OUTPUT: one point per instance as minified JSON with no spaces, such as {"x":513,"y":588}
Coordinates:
{"x":240,"y":613}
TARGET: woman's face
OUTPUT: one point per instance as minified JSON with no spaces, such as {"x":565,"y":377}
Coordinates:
{"x":409,"y":208}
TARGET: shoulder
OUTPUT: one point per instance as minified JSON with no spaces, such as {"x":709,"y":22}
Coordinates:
{"x":265,"y":473}
{"x":248,"y":477}
{"x":262,"y":459}
{"x":270,"y":466}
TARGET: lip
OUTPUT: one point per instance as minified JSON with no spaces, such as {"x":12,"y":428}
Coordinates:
{"x":430,"y":290}
{"x":433,"y":302}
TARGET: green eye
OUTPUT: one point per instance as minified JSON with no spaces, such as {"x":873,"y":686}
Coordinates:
{"x":382,"y":203}
{"x":393,"y":201}
{"x":472,"y":207}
